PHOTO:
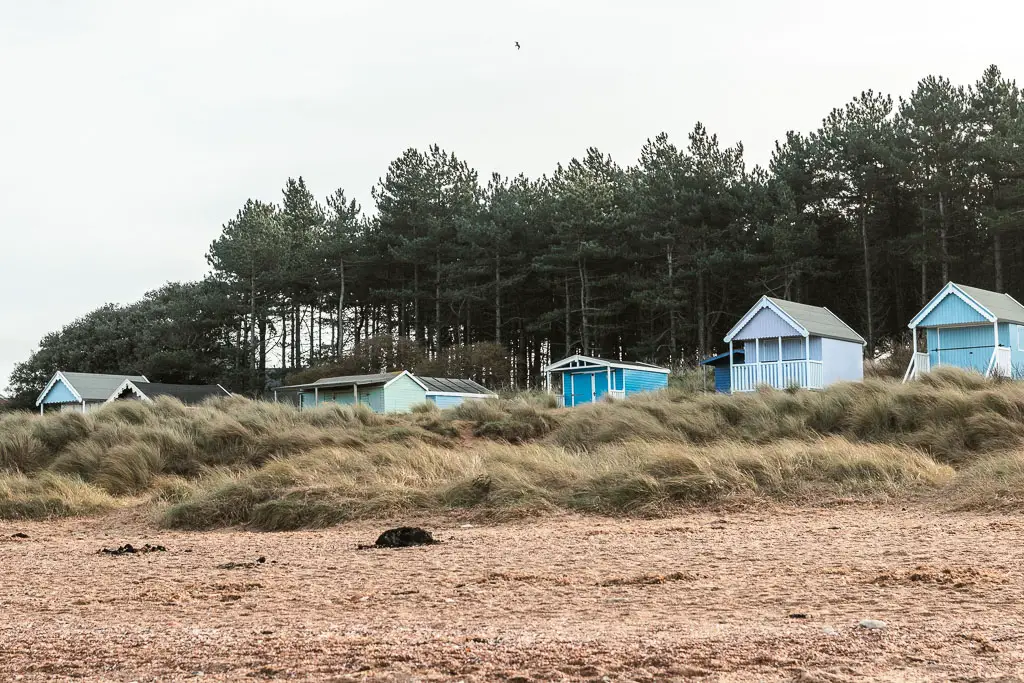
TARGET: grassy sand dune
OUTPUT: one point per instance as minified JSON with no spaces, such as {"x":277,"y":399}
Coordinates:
{"x":269,"y":466}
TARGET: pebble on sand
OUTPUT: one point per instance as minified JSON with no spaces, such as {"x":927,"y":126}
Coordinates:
{"x":872,"y":624}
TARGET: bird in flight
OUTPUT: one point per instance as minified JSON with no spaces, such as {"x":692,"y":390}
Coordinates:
{"x":517,"y":45}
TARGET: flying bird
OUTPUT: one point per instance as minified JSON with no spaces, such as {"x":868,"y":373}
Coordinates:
{"x":517,"y":45}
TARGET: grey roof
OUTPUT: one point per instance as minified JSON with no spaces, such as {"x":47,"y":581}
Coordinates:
{"x":349,"y":380}
{"x":93,"y":387}
{"x":188,"y":394}
{"x":818,"y":321}
{"x":457,"y":386}
{"x":1002,"y":306}
{"x":632,"y":364}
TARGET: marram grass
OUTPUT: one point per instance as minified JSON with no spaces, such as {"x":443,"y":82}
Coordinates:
{"x":269,"y":466}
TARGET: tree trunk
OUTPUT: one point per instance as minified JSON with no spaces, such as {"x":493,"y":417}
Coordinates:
{"x":943,"y":238}
{"x":997,"y":257}
{"x":416,"y":303}
{"x":584,"y":333}
{"x":535,"y":363}
{"x":522,"y":367}
{"x":568,"y":318}
{"x":701,"y":315}
{"x":263,"y":347}
{"x":924,"y":258}
{"x":402,"y":312}
{"x":284,"y":340}
{"x":357,"y":327}
{"x":867,"y":281}
{"x":293,"y":326}
{"x":252,"y":314}
{"x":333,"y":324}
{"x":437,"y":306}
{"x":341,"y":309}
{"x":671,"y":307}
{"x":238,"y":344}
{"x":497,"y":298}
{"x":312,"y":328}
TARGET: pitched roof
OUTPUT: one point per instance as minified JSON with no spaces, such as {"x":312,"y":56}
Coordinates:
{"x":186,"y":393}
{"x":453,"y":386}
{"x":565,"y":364}
{"x":1002,"y":306}
{"x":348,"y":380}
{"x":89,"y":386}
{"x":344,"y":381}
{"x":818,"y":320}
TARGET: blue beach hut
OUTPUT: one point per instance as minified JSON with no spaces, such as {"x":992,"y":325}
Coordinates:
{"x":970,"y":328}
{"x":586,"y":379}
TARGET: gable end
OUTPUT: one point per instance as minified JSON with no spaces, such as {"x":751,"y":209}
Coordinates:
{"x":766,"y":323}
{"x":59,"y":391}
{"x":952,"y":310}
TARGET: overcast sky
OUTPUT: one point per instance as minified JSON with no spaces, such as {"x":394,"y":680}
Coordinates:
{"x":131,"y":131}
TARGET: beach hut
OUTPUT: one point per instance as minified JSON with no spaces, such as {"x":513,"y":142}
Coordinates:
{"x":80,"y":391}
{"x":189,"y":394}
{"x":969,"y":328}
{"x":723,"y":369}
{"x":586,"y":379}
{"x":791,"y":345}
{"x":388,"y":392}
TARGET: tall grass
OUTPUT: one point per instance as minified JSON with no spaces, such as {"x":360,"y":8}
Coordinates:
{"x":332,"y":485}
{"x":235,"y":461}
{"x":50,"y":495}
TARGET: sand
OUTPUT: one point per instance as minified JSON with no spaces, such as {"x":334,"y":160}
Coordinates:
{"x":704,"y":596}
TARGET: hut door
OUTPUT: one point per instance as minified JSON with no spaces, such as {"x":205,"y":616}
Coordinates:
{"x":582,"y":389}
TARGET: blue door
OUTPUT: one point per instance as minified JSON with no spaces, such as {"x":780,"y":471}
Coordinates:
{"x":600,"y":384}
{"x":722,"y":379}
{"x":582,"y":389}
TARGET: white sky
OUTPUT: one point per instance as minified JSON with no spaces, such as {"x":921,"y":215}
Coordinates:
{"x":130,"y":131}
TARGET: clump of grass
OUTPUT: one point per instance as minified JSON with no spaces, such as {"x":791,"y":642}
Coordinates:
{"x":20,"y":450}
{"x":128,"y":469}
{"x":539,"y":399}
{"x":521,"y":421}
{"x":992,"y":483}
{"x":56,"y":430}
{"x":47,"y":495}
{"x":480,"y":411}
{"x":692,"y":380}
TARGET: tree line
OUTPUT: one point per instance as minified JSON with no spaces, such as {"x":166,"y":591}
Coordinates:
{"x":492,"y":277}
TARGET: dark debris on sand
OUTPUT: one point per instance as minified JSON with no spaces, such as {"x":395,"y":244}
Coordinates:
{"x":243,"y":565}
{"x":129,"y":549}
{"x":402,"y":537}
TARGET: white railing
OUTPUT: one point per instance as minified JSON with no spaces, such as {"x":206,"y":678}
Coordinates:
{"x":999,"y":365}
{"x":920,"y":363}
{"x":617,"y":394}
{"x":816,"y":379}
{"x":802,"y":374}
{"x":559,"y":401}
